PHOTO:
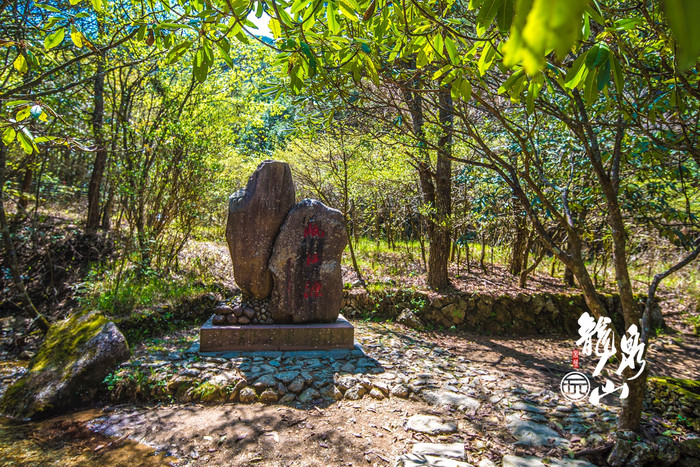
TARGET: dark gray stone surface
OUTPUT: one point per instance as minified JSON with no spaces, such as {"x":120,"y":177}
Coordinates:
{"x":255,"y":215}
{"x":305,"y":264}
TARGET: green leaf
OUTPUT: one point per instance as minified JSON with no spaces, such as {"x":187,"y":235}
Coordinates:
{"x":586,"y":33}
{"x":682,"y":16}
{"x":548,"y":25}
{"x":178,"y":51}
{"x":77,"y":37}
{"x":461,"y":89}
{"x":54,"y":39}
{"x":8,"y":136}
{"x":590,"y":89}
{"x":454,"y":89}
{"x":298,"y":5}
{"x":167,"y":25}
{"x":16,"y":102}
{"x":97,"y":5}
{"x":45,"y":139}
{"x":74,"y":2}
{"x":371,"y":70}
{"x":306,"y":50}
{"x":508,"y":84}
{"x":25,"y":140}
{"x":439,"y":44}
{"x":465,"y":88}
{"x":602,"y":56}
{"x":488,"y":11}
{"x":331,"y":12}
{"x":224,"y":48}
{"x":533,"y":91}
{"x":23,"y":113}
{"x":201,"y":65}
{"x":442,"y":71}
{"x":452,"y":50}
{"x":488,"y":53}
{"x":592,"y":56}
{"x":592,"y":11}
{"x":574,"y":69}
{"x":51,"y":22}
{"x":47,"y":7}
{"x":274,"y":26}
{"x":208,"y":52}
{"x":627,"y":24}
{"x":504,"y":16}
{"x":347,"y":11}
{"x":141,"y":35}
{"x":20,"y":64}
{"x":617,"y":74}
{"x":604,"y":76}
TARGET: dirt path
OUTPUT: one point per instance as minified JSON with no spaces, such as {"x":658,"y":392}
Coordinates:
{"x":506,"y":379}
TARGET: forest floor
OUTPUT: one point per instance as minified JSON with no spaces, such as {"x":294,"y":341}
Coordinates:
{"x":514,"y":380}
{"x":511,"y":378}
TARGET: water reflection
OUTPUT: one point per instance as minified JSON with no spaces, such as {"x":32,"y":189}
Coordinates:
{"x":67,"y":441}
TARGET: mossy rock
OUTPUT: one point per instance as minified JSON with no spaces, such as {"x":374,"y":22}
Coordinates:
{"x":74,"y":358}
{"x":684,"y":387}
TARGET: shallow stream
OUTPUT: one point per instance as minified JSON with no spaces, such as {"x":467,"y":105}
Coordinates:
{"x":66,"y":440}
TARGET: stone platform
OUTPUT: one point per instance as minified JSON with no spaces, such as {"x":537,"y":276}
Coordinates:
{"x":277,"y":337}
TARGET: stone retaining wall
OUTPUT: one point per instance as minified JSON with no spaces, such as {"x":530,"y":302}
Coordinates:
{"x":676,"y":399}
{"x":523,"y":314}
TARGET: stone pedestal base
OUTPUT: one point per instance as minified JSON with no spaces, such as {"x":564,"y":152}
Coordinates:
{"x":254,"y":337}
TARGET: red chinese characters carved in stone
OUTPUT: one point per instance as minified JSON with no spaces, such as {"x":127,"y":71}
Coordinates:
{"x":312,"y":290}
{"x":312,"y":259}
{"x":312,"y":230}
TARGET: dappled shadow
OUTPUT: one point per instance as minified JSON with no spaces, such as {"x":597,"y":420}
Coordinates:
{"x":517,"y":357}
{"x":242,"y":434}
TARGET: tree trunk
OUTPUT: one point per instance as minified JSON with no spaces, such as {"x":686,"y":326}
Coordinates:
{"x":630,"y":415}
{"x":107,"y":210}
{"x":26,"y":186}
{"x":483,"y":250}
{"x":346,"y":216}
{"x":527,"y":270}
{"x":98,"y":167}
{"x":568,"y":273}
{"x":29,"y":307}
{"x":521,"y":237}
{"x":440,"y":243}
{"x":466,"y":254}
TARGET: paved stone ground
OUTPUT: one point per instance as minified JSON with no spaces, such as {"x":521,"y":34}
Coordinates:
{"x":500,"y":407}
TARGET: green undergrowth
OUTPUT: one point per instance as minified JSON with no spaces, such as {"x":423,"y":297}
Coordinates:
{"x":145,"y":303}
{"x":119,"y":295}
{"x":159,"y":320}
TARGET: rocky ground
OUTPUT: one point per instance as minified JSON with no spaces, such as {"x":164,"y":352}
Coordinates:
{"x":409,"y":398}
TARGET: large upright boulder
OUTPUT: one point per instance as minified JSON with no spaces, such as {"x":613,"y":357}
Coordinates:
{"x":305,"y":264}
{"x":71,"y":363}
{"x":255,"y":215}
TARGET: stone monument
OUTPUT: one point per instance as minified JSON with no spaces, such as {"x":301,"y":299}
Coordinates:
{"x":286,"y":261}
